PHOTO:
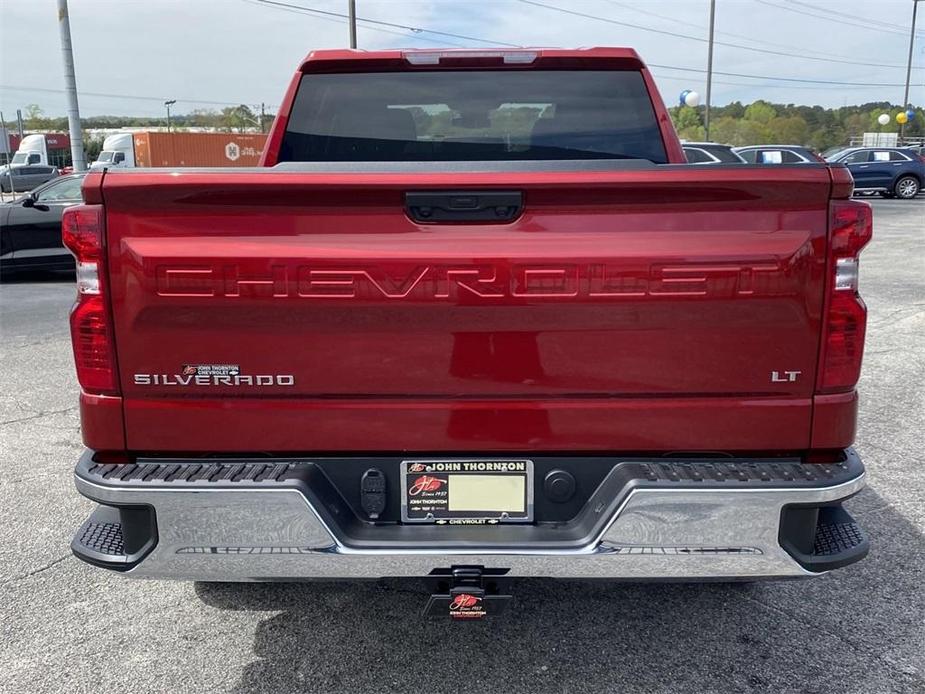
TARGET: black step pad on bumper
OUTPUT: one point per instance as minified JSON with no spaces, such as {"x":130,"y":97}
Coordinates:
{"x":116,"y":538}
{"x":102,"y":537}
{"x":823,"y":537}
{"x":837,"y":533}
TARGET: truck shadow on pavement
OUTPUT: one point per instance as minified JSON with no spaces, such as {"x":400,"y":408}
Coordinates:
{"x":858,"y":629}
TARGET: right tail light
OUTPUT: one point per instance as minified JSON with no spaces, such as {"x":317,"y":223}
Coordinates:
{"x":91,"y":325}
{"x":846,"y":314}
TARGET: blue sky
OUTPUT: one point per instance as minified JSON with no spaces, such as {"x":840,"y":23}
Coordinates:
{"x":131,"y":55}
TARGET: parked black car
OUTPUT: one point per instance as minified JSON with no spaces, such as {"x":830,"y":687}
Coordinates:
{"x":20,"y":178}
{"x":710,"y":153}
{"x":778,"y":154}
{"x":30,"y":227}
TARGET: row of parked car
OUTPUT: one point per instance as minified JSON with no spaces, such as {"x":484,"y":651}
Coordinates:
{"x":890,"y":171}
{"x":30,"y":226}
{"x":23,"y":177}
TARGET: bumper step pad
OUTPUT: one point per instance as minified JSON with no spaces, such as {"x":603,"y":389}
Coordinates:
{"x":837,"y":539}
{"x":102,"y":538}
{"x":116,"y":538}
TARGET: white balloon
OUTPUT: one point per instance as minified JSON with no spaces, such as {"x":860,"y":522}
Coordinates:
{"x":692,"y":99}
{"x":883,"y":118}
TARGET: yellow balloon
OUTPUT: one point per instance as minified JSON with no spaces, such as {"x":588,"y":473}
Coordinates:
{"x":901,"y":117}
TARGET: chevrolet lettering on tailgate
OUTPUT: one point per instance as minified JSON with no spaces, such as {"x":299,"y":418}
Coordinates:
{"x":446,"y":281}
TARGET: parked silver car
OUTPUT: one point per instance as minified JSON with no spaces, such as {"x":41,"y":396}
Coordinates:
{"x":710,"y":153}
{"x":25,"y":177}
{"x":778,"y":154}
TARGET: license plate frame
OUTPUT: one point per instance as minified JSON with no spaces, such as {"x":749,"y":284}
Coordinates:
{"x":426,"y":501}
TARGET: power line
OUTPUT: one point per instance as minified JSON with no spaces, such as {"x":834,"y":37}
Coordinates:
{"x":762,"y":85}
{"x":866,"y":20}
{"x":608,"y":20}
{"x":827,"y":16}
{"x":531,"y":2}
{"x":699,"y":39}
{"x":798,"y":80}
{"x":728,"y":33}
{"x":48,"y":90}
{"x":334,"y":20}
{"x":417,"y":30}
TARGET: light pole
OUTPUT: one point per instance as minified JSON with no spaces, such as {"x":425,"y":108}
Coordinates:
{"x":5,"y":148}
{"x":168,"y":104}
{"x":906,"y":104}
{"x":706,"y":114}
{"x":352,"y":11}
{"x":78,"y":159}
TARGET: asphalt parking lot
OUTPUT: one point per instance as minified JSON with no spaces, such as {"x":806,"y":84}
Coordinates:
{"x":69,"y":627}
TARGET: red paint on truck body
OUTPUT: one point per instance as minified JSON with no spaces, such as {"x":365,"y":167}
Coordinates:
{"x":630,"y":310}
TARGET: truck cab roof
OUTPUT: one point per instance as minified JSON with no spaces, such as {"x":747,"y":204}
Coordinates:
{"x":514,"y":55}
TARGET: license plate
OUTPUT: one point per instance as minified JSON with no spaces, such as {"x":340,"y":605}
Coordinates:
{"x":467,"y":492}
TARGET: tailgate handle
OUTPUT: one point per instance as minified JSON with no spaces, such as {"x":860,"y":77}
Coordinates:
{"x":492,"y":206}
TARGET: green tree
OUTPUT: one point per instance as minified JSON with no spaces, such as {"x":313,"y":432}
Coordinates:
{"x":34,"y":117}
{"x":789,"y":131}
{"x":734,"y":110}
{"x":749,"y":132}
{"x":688,"y":124}
{"x":92,"y":147}
{"x":760,"y":112}
{"x":202,"y":118}
{"x":239,"y":118}
{"x":822,"y":139}
{"x":916,"y":126}
{"x":723,"y":129}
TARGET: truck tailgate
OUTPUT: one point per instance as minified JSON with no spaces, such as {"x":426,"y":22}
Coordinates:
{"x":673,"y":308}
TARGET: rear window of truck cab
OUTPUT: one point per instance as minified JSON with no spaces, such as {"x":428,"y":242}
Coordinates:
{"x":473,"y":115}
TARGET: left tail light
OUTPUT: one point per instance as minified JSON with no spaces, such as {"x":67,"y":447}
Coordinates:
{"x":846,"y":316}
{"x":91,"y":322}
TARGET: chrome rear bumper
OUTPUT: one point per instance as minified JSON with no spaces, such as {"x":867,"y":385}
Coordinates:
{"x":652,"y":529}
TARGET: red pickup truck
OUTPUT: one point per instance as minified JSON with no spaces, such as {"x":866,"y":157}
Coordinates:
{"x":474,"y":318}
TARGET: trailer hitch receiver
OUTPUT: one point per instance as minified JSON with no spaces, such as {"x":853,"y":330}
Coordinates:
{"x":467,"y":592}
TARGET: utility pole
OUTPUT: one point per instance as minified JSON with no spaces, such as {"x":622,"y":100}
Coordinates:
{"x":263,"y":114}
{"x":706,"y":114}
{"x":5,"y":148}
{"x":19,"y":123}
{"x":168,"y":104}
{"x":78,"y":160}
{"x":906,"y":104}
{"x":352,"y":11}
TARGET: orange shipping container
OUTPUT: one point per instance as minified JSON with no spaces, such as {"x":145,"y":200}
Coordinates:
{"x":198,"y":149}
